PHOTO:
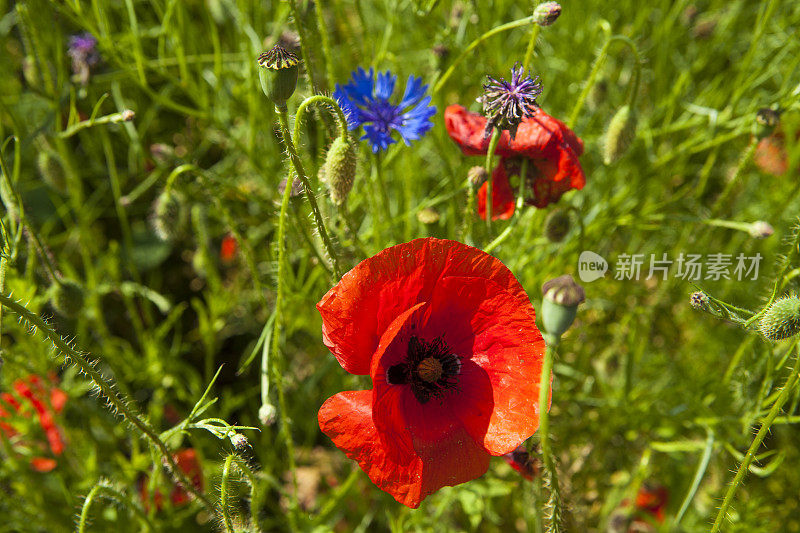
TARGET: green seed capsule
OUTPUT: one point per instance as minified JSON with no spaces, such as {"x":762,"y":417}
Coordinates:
{"x":556,"y":225}
{"x":339,"y":169}
{"x":169,"y":217}
{"x":620,"y":134}
{"x":278,"y":74}
{"x":562,"y":296}
{"x":782,"y":319}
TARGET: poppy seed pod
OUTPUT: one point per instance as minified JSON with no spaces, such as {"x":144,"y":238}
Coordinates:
{"x":556,"y":225}
{"x":782,"y":319}
{"x":560,"y":304}
{"x":620,"y":134}
{"x":67,"y":298}
{"x":545,"y":14}
{"x":278,"y":74}
{"x":339,"y":168}
{"x":169,"y":215}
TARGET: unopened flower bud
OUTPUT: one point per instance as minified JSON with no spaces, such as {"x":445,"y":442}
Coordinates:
{"x":267,"y":414}
{"x":428,"y":216}
{"x":51,"y":170}
{"x":127,"y":115}
{"x":761,"y":230}
{"x":477,"y":176}
{"x":239,"y":441}
{"x":782,"y":319}
{"x":339,"y":168}
{"x":767,"y":119}
{"x":278,"y":74}
{"x":699,"y":300}
{"x":169,"y":215}
{"x":556,"y":225}
{"x":545,"y":14}
{"x":620,"y":134}
{"x":67,"y":298}
{"x":562,"y":296}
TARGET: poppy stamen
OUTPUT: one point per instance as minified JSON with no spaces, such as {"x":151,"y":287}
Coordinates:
{"x":430,"y":368}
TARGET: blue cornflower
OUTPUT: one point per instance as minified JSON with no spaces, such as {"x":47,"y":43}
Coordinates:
{"x":365,"y":102}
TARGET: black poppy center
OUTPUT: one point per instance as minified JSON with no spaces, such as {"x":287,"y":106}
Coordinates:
{"x":431,"y":369}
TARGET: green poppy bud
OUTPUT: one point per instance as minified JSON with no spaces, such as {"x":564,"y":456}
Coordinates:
{"x":169,"y":215}
{"x":620,"y":134}
{"x":339,"y":168}
{"x":428,"y":215}
{"x":782,"y":319}
{"x":278,"y":74}
{"x":560,"y":304}
{"x":556,"y":225}
{"x":67,"y":298}
{"x":545,"y":14}
{"x":51,"y":170}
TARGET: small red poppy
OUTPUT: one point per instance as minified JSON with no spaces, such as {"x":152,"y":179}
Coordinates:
{"x":652,"y":501}
{"x":550,"y":146}
{"x":449,"y":338}
{"x":188,"y":462}
{"x":227,"y":250}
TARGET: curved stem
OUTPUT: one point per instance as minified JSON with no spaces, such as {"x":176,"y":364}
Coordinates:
{"x":788,"y":387}
{"x":121,"y":405}
{"x":598,"y":63}
{"x":108,"y":492}
{"x":523,"y":173}
{"x":531,"y":43}
{"x":544,"y":436}
{"x":496,"y":133}
{"x":301,"y":173}
{"x":702,"y":466}
{"x":494,"y":31}
{"x":223,"y":495}
{"x":314,"y":100}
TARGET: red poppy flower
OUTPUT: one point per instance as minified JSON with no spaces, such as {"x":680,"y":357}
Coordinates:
{"x":449,"y":338}
{"x":189,"y":464}
{"x":652,"y":501}
{"x":227,"y":250}
{"x":547,"y":143}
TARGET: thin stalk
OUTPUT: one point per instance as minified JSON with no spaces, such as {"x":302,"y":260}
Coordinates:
{"x":531,"y":44}
{"x":474,"y":44}
{"x":793,"y":252}
{"x":702,"y":466}
{"x":328,"y":103}
{"x":598,"y":63}
{"x":121,"y":405}
{"x":496,"y":133}
{"x":301,"y":173}
{"x":326,"y":44}
{"x":108,"y":492}
{"x":517,"y":209}
{"x":791,"y":382}
{"x":744,"y":162}
{"x":303,"y":36}
{"x":377,"y":176}
{"x":114,"y":118}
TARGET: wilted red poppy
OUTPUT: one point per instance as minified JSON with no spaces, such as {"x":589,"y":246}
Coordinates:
{"x":653,"y":501}
{"x":547,"y":143}
{"x":771,"y":156}
{"x":449,"y":338}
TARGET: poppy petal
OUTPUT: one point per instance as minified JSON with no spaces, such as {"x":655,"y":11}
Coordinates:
{"x":502,"y":196}
{"x":347,"y":419}
{"x":359,"y":309}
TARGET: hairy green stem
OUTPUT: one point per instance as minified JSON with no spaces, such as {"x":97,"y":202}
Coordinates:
{"x":329,"y":103}
{"x":531,"y":44}
{"x":123,"y":406}
{"x":223,"y":495}
{"x":301,"y":173}
{"x":788,"y":387}
{"x":110,"y":493}
{"x":544,"y":436}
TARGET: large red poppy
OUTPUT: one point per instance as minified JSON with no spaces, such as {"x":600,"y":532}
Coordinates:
{"x":547,"y":143}
{"x":449,"y":338}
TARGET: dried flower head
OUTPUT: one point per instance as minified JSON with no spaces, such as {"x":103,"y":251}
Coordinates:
{"x":506,"y":103}
{"x":278,"y":74}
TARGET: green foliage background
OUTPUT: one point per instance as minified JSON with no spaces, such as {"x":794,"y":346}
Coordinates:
{"x":642,"y":380}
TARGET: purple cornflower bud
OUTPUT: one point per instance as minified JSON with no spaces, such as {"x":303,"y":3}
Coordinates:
{"x":82,"y":50}
{"x":506,"y":103}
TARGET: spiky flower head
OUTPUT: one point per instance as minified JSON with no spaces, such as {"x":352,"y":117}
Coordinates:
{"x":506,"y":103}
{"x":278,"y":74}
{"x":545,"y":14}
{"x":365,"y":101}
{"x":782,"y":319}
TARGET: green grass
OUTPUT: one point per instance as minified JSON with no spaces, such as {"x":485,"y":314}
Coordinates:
{"x":644,"y":383}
